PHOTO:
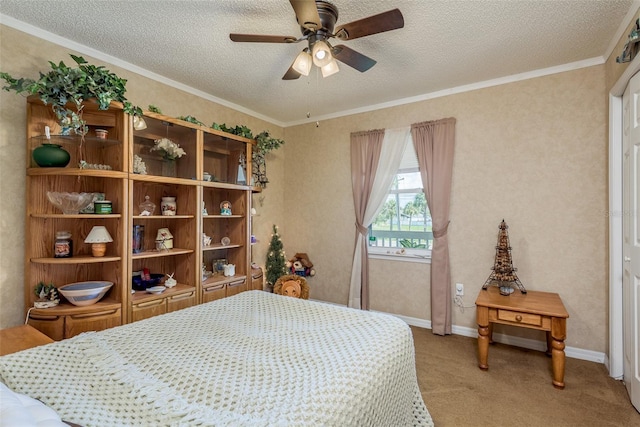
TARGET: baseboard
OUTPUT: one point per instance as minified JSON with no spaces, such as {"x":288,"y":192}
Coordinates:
{"x":576,"y":353}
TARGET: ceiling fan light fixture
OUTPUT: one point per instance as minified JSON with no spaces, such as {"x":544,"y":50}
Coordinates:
{"x":303,"y":62}
{"x":330,"y":69}
{"x":321,"y":53}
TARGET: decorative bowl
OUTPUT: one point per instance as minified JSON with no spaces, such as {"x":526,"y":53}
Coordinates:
{"x":70,"y":203}
{"x":156,"y":289}
{"x":85,"y":293}
{"x":140,"y":285}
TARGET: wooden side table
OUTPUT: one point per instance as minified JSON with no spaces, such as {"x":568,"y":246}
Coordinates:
{"x":534,"y":310}
{"x":21,"y":338}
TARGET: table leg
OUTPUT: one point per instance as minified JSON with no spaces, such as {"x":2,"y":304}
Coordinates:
{"x":549,"y":345}
{"x":482,"y":314}
{"x":558,"y":335}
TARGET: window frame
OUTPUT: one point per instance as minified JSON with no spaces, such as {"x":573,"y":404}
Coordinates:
{"x":418,"y":255}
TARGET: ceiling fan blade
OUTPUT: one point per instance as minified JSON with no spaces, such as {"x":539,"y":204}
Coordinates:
{"x":352,"y":58}
{"x":375,"y":24}
{"x":257,"y":38}
{"x":291,"y":74}
{"x":307,"y":14}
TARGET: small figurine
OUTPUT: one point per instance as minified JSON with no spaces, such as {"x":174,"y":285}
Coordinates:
{"x":47,"y":295}
{"x":139,"y":166}
{"x":225,"y":208}
{"x":206,"y":240}
{"x":170,"y":282}
{"x":204,"y":209}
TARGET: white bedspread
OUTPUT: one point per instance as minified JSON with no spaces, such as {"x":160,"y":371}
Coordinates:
{"x":254,"y":359}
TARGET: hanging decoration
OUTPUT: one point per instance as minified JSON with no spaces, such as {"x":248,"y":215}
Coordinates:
{"x":630,"y":49}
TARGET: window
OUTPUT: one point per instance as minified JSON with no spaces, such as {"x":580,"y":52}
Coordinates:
{"x":403,"y":224}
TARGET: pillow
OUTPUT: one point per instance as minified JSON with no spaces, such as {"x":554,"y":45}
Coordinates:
{"x":19,"y":410}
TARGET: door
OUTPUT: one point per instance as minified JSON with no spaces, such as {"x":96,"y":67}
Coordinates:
{"x":631,"y":238}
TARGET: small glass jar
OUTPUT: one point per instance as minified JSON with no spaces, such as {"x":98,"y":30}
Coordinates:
{"x":63,"y":248}
{"x":147,"y":207}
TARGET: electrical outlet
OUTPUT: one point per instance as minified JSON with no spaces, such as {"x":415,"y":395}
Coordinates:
{"x":459,"y":289}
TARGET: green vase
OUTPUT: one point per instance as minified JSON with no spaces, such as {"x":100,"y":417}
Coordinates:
{"x":51,"y":156}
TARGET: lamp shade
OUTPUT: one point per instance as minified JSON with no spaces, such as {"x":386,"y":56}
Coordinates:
{"x":164,"y":239}
{"x":321,"y":53}
{"x":303,"y":61}
{"x":139,"y":123}
{"x":330,"y":69}
{"x":164,"y":234}
{"x":98,"y":234}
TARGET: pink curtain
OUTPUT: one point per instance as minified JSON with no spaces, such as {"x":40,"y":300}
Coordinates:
{"x":365,"y":155}
{"x":434,"y":143}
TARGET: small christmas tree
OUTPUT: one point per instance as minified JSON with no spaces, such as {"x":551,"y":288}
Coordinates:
{"x":275,"y":265}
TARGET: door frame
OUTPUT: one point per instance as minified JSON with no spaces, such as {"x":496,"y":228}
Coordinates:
{"x":616,"y":343}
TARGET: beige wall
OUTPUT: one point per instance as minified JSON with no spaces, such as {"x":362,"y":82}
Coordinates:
{"x":532,"y":152}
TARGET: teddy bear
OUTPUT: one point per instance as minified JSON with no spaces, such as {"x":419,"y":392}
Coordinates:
{"x":301,"y":265}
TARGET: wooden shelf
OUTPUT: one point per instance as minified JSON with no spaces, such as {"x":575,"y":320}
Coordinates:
{"x":77,"y":172}
{"x":206,"y":150}
{"x":163,"y":179}
{"x":225,"y":185}
{"x":144,"y":296}
{"x":159,"y":217}
{"x":218,"y":246}
{"x":76,"y":216}
{"x":155,"y":253}
{"x":78,"y":259}
{"x":67,"y":309}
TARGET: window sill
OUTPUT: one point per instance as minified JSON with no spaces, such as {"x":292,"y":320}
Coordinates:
{"x":406,"y":257}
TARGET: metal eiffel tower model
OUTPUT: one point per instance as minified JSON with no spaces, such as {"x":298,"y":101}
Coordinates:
{"x":504,"y":275}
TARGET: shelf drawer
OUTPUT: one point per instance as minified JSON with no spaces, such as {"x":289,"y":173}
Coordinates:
{"x":77,"y":323}
{"x":236,"y":287}
{"x":148,"y":309}
{"x":180,"y":301}
{"x":520,"y":318}
{"x":213,"y":293}
{"x":51,"y":326}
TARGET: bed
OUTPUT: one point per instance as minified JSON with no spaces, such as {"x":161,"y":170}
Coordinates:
{"x":253,"y":359}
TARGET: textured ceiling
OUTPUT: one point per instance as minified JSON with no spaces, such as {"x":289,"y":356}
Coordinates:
{"x":444,"y":44}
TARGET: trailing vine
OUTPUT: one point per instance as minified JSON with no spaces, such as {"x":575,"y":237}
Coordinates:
{"x":64,"y":86}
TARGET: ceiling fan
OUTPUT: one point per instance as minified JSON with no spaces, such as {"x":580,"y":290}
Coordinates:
{"x":317,"y":19}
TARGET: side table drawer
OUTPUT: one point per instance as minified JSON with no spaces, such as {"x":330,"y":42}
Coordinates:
{"x":520,"y":318}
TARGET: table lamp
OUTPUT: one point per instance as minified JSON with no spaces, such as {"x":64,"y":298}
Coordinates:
{"x":98,"y":237}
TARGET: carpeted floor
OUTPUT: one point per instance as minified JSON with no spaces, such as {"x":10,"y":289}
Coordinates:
{"x":516,"y":390}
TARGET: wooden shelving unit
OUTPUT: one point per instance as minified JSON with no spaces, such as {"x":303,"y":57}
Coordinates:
{"x":207,"y":150}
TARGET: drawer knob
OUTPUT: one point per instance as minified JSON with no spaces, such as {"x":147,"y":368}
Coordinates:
{"x":518,"y":318}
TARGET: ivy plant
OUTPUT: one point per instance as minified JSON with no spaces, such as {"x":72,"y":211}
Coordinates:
{"x":266,"y":143}
{"x":191,"y":119}
{"x":66,"y":89}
